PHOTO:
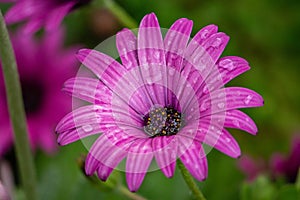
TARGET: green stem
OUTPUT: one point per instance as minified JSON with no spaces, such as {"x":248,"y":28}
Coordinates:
{"x":17,"y":113}
{"x":124,"y":18}
{"x":190,"y":181}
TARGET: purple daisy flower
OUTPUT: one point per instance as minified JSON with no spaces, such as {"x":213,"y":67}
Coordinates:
{"x":38,"y":14}
{"x":164,"y":101}
{"x":43,"y":67}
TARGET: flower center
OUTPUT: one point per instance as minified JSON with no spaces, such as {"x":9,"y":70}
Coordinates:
{"x":162,"y":121}
{"x":32,"y":95}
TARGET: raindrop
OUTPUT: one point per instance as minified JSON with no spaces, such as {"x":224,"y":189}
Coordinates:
{"x":87,"y":128}
{"x":171,"y":72}
{"x":227,"y":64}
{"x":221,"y":95}
{"x":204,"y":34}
{"x":169,"y":43}
{"x":156,"y":55}
{"x":228,"y":140}
{"x":248,"y":99}
{"x":154,"y":78}
{"x":204,"y":106}
{"x":221,"y":105}
{"x":217,"y":42}
{"x":236,"y":123}
{"x":205,"y":89}
{"x":129,"y":63}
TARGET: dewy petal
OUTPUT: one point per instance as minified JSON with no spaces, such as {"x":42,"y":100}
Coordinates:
{"x":138,"y":162}
{"x":194,"y":158}
{"x":236,"y":97}
{"x":165,"y":152}
{"x":218,"y":138}
{"x":239,"y":120}
{"x":232,"y":119}
{"x":127,"y":48}
{"x":85,"y":115}
{"x":176,"y":40}
{"x":150,"y":41}
{"x":88,"y":89}
{"x":151,"y":54}
{"x":215,"y":45}
{"x":229,"y":67}
{"x":175,"y":43}
{"x":106,"y":152}
{"x":108,"y":70}
{"x":203,"y":35}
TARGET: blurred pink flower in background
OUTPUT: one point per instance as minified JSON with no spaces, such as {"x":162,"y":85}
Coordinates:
{"x":279,"y":166}
{"x":162,"y":102}
{"x":43,"y":67}
{"x":40,"y":13}
{"x":287,"y":166}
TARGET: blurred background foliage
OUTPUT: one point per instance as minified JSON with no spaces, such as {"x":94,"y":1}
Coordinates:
{"x":264,"y":32}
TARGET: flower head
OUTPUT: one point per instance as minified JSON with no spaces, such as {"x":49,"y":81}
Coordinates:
{"x":164,"y":101}
{"x":38,"y":14}
{"x":43,"y":67}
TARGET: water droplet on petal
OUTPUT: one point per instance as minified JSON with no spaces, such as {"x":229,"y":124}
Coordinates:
{"x":227,"y":64}
{"x":204,"y":34}
{"x":236,"y":123}
{"x":156,"y":55}
{"x":217,"y":42}
{"x":203,"y":107}
{"x":221,"y":105}
{"x":228,"y":139}
{"x":87,"y":128}
{"x":221,"y":95}
{"x":248,"y":99}
{"x":205,"y":89}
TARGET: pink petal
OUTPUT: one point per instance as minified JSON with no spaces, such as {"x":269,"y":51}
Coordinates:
{"x":176,"y":40}
{"x":103,"y":171}
{"x":103,"y":66}
{"x":220,"y":139}
{"x":165,"y":151}
{"x":21,"y":11}
{"x":85,"y":115}
{"x":203,"y":35}
{"x":239,"y":120}
{"x":137,"y":163}
{"x":232,"y":119}
{"x":235,"y":97}
{"x":231,"y":67}
{"x":127,"y":48}
{"x":33,"y":25}
{"x":194,"y":158}
{"x":215,"y":45}
{"x":150,"y":42}
{"x":228,"y":68}
{"x":105,"y":152}
{"x":88,"y":89}
{"x":175,"y":43}
{"x":55,"y":17}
